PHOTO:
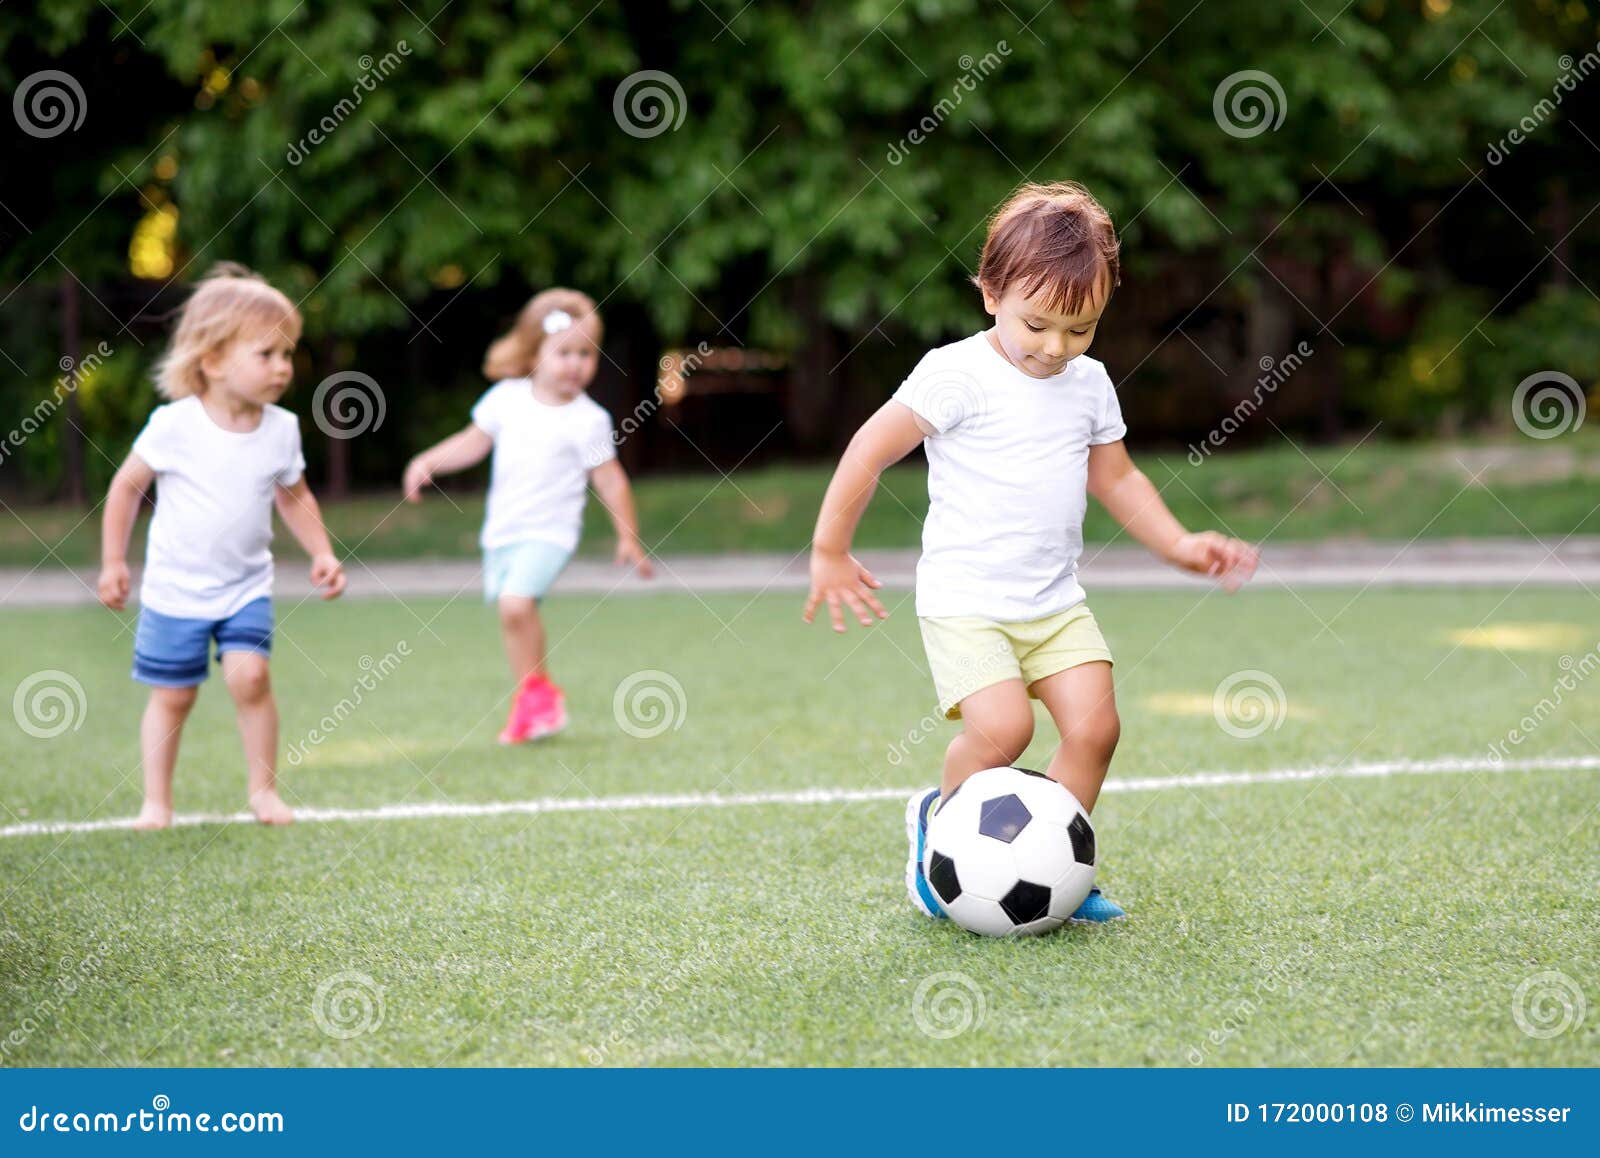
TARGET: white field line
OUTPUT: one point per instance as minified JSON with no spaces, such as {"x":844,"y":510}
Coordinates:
{"x":1378,"y":769}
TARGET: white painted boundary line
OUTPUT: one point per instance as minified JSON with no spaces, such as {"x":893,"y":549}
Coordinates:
{"x":826,"y":795}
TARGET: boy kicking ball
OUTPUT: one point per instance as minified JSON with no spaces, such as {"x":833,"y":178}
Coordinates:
{"x":1019,"y":428}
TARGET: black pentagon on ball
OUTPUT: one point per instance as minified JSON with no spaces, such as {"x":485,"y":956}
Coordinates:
{"x":942,"y":876}
{"x":1029,"y":771}
{"x":1082,"y":839}
{"x":1004,"y":817}
{"x":1026,"y":902}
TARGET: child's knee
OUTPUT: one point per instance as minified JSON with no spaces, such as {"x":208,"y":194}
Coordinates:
{"x":517,"y":612}
{"x":250,"y":682}
{"x":174,"y":701}
{"x":1101,"y":731}
{"x":1002,"y":738}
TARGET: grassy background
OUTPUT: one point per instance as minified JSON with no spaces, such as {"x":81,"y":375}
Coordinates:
{"x":1375,"y":490}
{"x":1333,"y":922}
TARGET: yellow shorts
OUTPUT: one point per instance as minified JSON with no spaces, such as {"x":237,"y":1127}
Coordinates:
{"x":967,"y":653}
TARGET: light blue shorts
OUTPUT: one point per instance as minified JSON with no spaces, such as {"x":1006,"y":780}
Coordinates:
{"x":527,"y":568}
{"x":172,"y":652}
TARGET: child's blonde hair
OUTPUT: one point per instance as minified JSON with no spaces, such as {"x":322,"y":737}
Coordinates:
{"x":230,"y":300}
{"x":1055,"y":237}
{"x":516,"y":353}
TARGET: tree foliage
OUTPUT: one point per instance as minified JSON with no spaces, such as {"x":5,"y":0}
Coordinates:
{"x":828,"y":182}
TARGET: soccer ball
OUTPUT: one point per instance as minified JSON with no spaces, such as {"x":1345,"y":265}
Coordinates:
{"x":1010,"y":851}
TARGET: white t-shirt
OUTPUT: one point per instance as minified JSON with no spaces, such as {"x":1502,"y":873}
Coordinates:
{"x":1007,"y":479}
{"x":542,"y":458}
{"x":208,"y":554}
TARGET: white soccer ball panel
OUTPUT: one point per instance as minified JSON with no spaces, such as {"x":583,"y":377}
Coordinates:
{"x":979,"y":915}
{"x":1047,"y":799}
{"x":1038,"y":928}
{"x":1043,"y":852}
{"x":1070,"y":890}
{"x":983,"y":866}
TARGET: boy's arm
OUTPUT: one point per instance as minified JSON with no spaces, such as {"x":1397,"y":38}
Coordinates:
{"x":610,"y":482}
{"x":298,"y":508}
{"x":132,"y":479}
{"x":463,"y":449}
{"x":1132,"y":499}
{"x":836,"y":577}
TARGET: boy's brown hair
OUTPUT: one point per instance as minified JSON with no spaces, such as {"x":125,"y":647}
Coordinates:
{"x":1052,"y":237}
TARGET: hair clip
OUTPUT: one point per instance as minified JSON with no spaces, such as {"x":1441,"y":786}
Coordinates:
{"x":556,"y":321}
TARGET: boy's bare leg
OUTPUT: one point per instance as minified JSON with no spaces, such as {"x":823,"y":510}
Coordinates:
{"x":159,"y":733}
{"x":1083,"y":704}
{"x":999,"y":726}
{"x":250,"y":684}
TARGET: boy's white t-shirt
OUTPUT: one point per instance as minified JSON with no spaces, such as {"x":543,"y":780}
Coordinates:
{"x":209,"y":552}
{"x":542,"y":458}
{"x":1007,"y":479}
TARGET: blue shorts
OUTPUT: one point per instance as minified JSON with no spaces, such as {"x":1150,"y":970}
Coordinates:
{"x":526,"y":568}
{"x":170,"y":652}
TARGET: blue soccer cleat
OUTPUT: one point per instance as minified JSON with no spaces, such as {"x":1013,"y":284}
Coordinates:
{"x":918,"y":809}
{"x":1097,"y":909}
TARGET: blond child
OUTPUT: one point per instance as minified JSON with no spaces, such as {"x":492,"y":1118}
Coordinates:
{"x":1019,"y":427}
{"x":550,"y":440}
{"x":221,"y":455}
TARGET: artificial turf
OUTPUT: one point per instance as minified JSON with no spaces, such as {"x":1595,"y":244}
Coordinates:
{"x":1331,"y":921}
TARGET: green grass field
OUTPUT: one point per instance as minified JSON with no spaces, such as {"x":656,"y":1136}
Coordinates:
{"x":1373,"y":490}
{"x":1330,"y":922}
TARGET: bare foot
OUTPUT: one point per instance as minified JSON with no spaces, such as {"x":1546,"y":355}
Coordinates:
{"x":270,"y":808}
{"x":152,"y":817}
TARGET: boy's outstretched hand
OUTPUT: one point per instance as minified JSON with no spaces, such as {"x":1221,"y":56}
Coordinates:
{"x":1229,"y":561}
{"x":113,"y":585}
{"x":327,"y":573}
{"x":841,"y":579}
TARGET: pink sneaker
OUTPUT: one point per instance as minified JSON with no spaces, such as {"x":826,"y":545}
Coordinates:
{"x":526,"y":707}
{"x":551,"y":715}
